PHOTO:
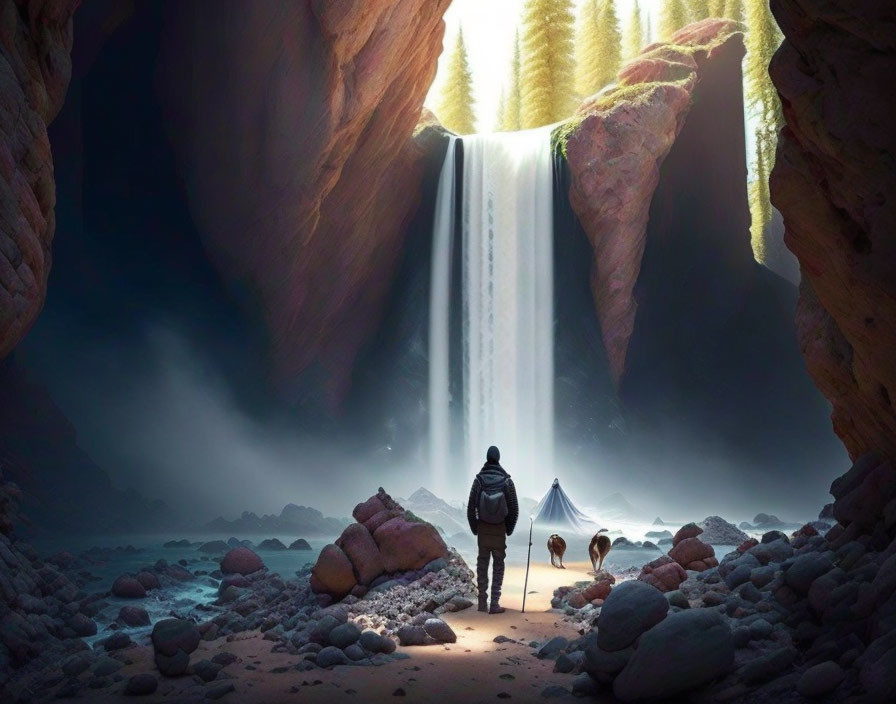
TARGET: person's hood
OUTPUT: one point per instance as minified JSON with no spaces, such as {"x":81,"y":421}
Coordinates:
{"x":492,"y":470}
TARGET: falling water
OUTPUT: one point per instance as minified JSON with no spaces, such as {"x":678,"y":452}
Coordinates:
{"x":440,"y":454}
{"x":507,"y":307}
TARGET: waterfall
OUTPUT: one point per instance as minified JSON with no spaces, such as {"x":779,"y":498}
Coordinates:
{"x":440,"y":448}
{"x":507,"y":309}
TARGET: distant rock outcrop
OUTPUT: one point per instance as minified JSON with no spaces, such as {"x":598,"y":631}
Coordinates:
{"x":440,"y":513}
{"x":386,"y":539}
{"x":718,"y":531}
{"x":293,"y":520}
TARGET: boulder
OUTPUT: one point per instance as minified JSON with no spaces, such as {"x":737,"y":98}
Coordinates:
{"x":684,"y":651}
{"x":171,"y":635}
{"x":805,"y":570}
{"x":747,"y":544}
{"x":142,"y":684}
{"x":133,"y":616}
{"x":241,"y":560}
{"x":666,"y":576}
{"x":408,"y":545}
{"x":148,"y":580}
{"x":368,"y":509}
{"x":598,"y":590}
{"x":344,"y":635}
{"x":172,"y":665}
{"x":689,"y":550}
{"x":377,"y":519}
{"x":631,"y":608}
{"x":127,"y":587}
{"x":83,"y":625}
{"x":331,"y":656}
{"x":361,"y":549}
{"x":820,"y":679}
{"x":439,"y":631}
{"x":411,"y":635}
{"x":333,"y":573}
{"x":690,"y":530}
{"x":773,"y":535}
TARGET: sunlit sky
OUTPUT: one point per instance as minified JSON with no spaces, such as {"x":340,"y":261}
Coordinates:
{"x":489,"y":27}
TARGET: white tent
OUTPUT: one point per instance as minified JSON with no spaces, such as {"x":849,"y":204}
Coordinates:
{"x":555,"y":510}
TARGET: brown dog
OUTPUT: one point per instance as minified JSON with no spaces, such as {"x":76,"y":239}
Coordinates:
{"x":557,"y":546}
{"x":598,"y":549}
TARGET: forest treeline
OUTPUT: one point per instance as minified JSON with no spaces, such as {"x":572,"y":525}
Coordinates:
{"x":558,"y":59}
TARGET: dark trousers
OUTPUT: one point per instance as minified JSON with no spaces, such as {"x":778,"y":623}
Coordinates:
{"x":492,"y":545}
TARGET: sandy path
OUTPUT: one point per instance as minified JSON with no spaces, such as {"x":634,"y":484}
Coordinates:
{"x":475,"y":669}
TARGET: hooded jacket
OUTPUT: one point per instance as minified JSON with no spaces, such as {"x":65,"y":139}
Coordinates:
{"x":491,"y":474}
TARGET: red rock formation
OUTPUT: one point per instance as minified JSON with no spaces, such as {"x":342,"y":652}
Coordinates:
{"x":835,"y":184}
{"x":401,"y":543}
{"x":292,"y":124}
{"x":35,"y":68}
{"x":615,"y":148}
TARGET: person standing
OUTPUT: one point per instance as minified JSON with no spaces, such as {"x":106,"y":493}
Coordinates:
{"x":492,"y":512}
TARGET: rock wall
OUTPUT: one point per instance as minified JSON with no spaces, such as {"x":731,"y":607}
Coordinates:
{"x":35,"y":68}
{"x":292,"y":124}
{"x":834,"y":182}
{"x":615,"y":147}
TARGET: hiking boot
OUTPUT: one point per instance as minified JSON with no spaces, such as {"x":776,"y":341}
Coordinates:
{"x":483,"y":605}
{"x":496,"y":608}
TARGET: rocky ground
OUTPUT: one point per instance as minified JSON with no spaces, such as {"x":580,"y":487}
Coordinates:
{"x":784,"y":618}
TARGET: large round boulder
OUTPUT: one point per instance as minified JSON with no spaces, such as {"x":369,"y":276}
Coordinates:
{"x":631,"y":608}
{"x":691,"y":550}
{"x":805,"y":570}
{"x":172,"y":634}
{"x":365,"y":510}
{"x":408,"y":545}
{"x":684,"y":651}
{"x":333,"y":573}
{"x":691,"y":530}
{"x":361,"y":549}
{"x":666,"y":577}
{"x":133,"y":616}
{"x":128,"y":587}
{"x":241,"y":560}
{"x":148,"y":580}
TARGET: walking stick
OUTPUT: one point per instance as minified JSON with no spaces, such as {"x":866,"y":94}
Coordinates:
{"x":528,"y":556}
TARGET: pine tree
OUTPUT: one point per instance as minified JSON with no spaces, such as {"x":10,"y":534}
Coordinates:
{"x":697,"y":10}
{"x":599,"y":45}
{"x":546,"y":77}
{"x":672,"y":18}
{"x":586,"y":47}
{"x":455,"y":108}
{"x":760,"y":203}
{"x":634,"y":34}
{"x":734,"y":10}
{"x":763,"y":38}
{"x":501,"y":116}
{"x":511,"y":120}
